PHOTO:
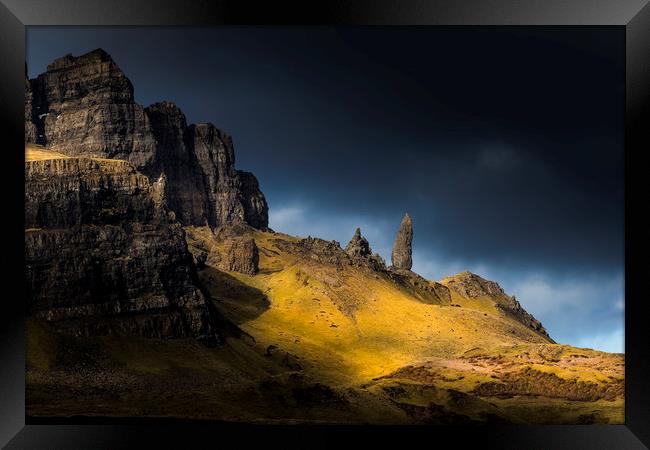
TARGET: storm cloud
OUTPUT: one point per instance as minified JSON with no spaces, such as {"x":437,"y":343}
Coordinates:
{"x":505,"y":145}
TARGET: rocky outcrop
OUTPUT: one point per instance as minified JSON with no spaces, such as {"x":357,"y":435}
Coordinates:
{"x":421,"y":288}
{"x":513,"y":308}
{"x":358,"y":246}
{"x":317,"y":250}
{"x":359,"y":250}
{"x":84,"y":106}
{"x":256,"y":210}
{"x":402,"y":250}
{"x":470,"y":285}
{"x":102,"y":255}
{"x":230,"y":248}
{"x":329,"y":253}
{"x":239,"y":255}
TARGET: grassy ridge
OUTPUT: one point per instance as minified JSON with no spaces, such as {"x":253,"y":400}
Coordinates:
{"x":389,"y":328}
{"x":392,"y":338}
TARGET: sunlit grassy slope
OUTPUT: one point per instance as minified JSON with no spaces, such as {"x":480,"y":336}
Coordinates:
{"x":388,"y":329}
{"x":302,"y":306}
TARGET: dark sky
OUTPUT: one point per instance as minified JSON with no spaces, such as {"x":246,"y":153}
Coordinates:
{"x":505,"y":145}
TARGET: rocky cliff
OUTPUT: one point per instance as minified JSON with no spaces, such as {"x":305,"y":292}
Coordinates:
{"x":102,"y":254}
{"x":84,"y":106}
{"x":30,"y":128}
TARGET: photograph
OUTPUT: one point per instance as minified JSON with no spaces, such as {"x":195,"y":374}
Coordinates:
{"x":299,"y":225}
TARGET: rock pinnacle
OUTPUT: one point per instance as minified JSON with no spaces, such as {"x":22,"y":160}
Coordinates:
{"x":401,"y":255}
{"x":358,"y":245}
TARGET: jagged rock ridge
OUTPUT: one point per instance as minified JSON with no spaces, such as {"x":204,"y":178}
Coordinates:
{"x":470,"y":285}
{"x":84,"y":106}
{"x":102,"y":255}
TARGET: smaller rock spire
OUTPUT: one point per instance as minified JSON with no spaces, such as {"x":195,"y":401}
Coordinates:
{"x":402,"y":248}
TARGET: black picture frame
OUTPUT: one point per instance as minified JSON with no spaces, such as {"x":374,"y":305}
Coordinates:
{"x":634,"y":15}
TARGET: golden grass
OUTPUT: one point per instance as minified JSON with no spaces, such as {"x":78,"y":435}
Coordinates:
{"x":462,"y":347}
{"x":390,"y":328}
{"x":35,"y":152}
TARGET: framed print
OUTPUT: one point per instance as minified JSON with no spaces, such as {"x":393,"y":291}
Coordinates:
{"x":291,"y":223}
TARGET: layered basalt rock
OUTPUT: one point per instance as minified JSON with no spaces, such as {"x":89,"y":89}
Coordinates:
{"x":185,"y":189}
{"x":102,"y":255}
{"x":84,"y":106}
{"x":232,"y":196}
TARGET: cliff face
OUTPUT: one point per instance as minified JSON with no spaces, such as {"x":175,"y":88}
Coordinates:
{"x":30,"y":128}
{"x":101,"y":254}
{"x":84,"y":106}
{"x":232,"y":196}
{"x":185,"y":189}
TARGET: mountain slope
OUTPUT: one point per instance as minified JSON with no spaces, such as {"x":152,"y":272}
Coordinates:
{"x":351,"y":323}
{"x":345,"y":323}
